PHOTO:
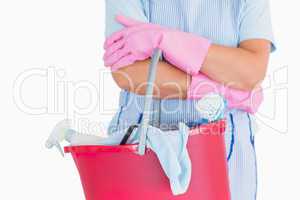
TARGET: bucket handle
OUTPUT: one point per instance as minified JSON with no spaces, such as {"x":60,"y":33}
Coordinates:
{"x":143,"y":128}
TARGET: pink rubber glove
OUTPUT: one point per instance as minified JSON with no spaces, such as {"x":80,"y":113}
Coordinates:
{"x":138,"y":40}
{"x":236,"y":99}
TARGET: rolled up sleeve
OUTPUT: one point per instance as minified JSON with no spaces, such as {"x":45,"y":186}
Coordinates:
{"x":255,"y":22}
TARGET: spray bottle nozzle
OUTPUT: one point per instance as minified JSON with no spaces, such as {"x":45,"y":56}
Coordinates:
{"x":49,"y":144}
{"x":58,"y":134}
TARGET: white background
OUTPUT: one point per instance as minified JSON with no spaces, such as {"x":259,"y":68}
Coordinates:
{"x":68,"y":35}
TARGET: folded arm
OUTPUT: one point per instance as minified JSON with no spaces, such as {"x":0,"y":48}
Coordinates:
{"x":240,"y":68}
{"x":170,"y":82}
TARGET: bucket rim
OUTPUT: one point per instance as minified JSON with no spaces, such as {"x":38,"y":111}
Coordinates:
{"x":210,"y":129}
{"x":101,"y":148}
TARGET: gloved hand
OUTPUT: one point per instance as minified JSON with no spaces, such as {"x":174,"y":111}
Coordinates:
{"x":201,"y":85}
{"x":138,"y":40}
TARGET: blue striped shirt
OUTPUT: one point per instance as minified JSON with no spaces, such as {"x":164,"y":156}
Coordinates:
{"x":225,"y":22}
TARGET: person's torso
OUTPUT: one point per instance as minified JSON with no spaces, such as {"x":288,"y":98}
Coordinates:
{"x":217,"y":20}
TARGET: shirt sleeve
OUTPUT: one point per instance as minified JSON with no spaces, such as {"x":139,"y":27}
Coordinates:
{"x":255,"y":21}
{"x":129,"y":8}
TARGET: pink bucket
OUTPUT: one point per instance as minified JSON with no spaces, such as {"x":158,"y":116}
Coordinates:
{"x":119,"y":173}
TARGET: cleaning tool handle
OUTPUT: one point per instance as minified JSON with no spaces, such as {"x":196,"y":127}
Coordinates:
{"x":148,"y":101}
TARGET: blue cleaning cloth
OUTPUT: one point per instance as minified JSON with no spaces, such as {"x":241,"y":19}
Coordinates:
{"x":169,"y":146}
